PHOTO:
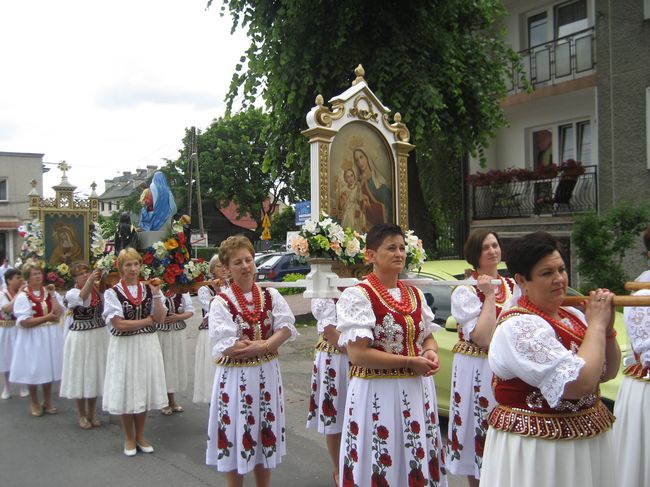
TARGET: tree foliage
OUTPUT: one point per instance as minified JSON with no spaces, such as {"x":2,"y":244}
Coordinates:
{"x":284,"y":221}
{"x":108,"y":224}
{"x":230,"y":154}
{"x":602,"y":240}
{"x":440,"y":63}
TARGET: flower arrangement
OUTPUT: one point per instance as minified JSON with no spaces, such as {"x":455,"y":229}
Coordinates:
{"x":415,"y":253}
{"x":327,"y":239}
{"x":568,"y":169}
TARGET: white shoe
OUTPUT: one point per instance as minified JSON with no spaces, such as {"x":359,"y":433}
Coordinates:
{"x":130,"y":453}
{"x":5,"y":394}
{"x":24,"y":392}
{"x":144,"y":449}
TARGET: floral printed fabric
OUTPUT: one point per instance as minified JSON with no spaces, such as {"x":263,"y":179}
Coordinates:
{"x":470,"y":405}
{"x":246,"y":425}
{"x":329,"y":386}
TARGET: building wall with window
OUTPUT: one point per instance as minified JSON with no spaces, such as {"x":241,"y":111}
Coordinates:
{"x":17,"y":170}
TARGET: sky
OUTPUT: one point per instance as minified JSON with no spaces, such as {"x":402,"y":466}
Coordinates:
{"x":110,"y":86}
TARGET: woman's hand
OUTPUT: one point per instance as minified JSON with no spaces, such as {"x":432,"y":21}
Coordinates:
{"x":330,"y":334}
{"x":598,"y":309}
{"x":172,"y":318}
{"x":422,"y":366}
{"x":484,"y":284}
{"x":433,"y":356}
{"x":249,"y":348}
{"x":154,"y":285}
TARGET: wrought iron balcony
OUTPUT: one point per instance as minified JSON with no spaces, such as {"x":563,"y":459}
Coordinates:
{"x":556,"y":61}
{"x":560,"y":195}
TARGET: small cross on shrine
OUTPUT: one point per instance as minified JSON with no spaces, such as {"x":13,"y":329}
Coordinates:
{"x":63,"y":167}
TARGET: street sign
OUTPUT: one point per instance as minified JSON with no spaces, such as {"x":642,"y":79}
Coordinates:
{"x":199,"y":241}
{"x":303,"y":212}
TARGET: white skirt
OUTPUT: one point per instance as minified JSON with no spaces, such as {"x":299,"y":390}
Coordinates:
{"x":391,"y":434}
{"x":38,"y":355}
{"x":84,"y":363}
{"x":172,"y":344}
{"x":470,"y":405}
{"x":246,"y":425}
{"x":632,"y":432}
{"x":7,"y":343}
{"x":204,"y":368}
{"x":329,"y":387}
{"x":135,"y":375}
{"x":512,"y":460}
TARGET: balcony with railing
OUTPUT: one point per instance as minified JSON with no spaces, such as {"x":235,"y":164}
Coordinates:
{"x":560,"y":195}
{"x":559,"y":60}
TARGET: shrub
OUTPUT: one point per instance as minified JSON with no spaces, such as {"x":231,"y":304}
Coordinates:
{"x":292,"y":290}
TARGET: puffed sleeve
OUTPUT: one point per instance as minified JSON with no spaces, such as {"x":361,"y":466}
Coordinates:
{"x":223,"y":331}
{"x":22,"y":308}
{"x":282,"y":315}
{"x":637,"y":323}
{"x":112,"y":307}
{"x":187,"y":303}
{"x":427,"y":317}
{"x":355,"y":317}
{"x":324,"y":310}
{"x":525,"y":347}
{"x":3,"y":299}
{"x":73,"y":298}
{"x":205,"y":296}
{"x":466,"y":308}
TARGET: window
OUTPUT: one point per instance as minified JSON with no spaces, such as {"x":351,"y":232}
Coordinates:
{"x":570,"y":18}
{"x":103,"y":208}
{"x":537,"y":29}
{"x":542,"y":148}
{"x":4,"y":196}
{"x":584,"y":142}
{"x":564,"y":141}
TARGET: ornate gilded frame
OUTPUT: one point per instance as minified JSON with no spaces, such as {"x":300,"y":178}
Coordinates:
{"x":357,"y":104}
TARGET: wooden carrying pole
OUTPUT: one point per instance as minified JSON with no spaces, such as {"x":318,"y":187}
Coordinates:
{"x":636,"y":286}
{"x":617,"y":301}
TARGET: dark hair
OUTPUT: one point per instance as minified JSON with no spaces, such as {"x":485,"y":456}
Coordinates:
{"x":10,"y":273}
{"x":525,"y":252}
{"x":378,"y":233}
{"x":646,"y":239}
{"x":474,"y":245}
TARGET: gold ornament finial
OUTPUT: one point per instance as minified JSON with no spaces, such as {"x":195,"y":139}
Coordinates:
{"x":319,"y":100}
{"x":360,"y":72}
{"x":398,"y":117}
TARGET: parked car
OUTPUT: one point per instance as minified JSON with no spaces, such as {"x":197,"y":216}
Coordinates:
{"x":260,"y":258}
{"x":439,"y":298}
{"x":281,"y":264}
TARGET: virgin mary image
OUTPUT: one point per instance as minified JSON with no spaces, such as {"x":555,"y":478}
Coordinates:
{"x":158,"y":204}
{"x":379,"y":205}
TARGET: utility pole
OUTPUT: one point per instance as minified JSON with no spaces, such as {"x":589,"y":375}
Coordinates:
{"x":195,"y":157}
{"x":190,"y":167}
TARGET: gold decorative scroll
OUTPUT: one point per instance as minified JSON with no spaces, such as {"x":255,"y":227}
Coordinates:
{"x":402,"y":134}
{"x":324,"y":116}
{"x":363,"y":113}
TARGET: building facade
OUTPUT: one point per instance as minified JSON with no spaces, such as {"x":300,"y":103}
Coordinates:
{"x":119,"y":188}
{"x":17,"y":171}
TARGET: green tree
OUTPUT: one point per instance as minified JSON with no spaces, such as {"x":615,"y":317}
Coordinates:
{"x":231,"y":153}
{"x":284,"y":221}
{"x":108,"y":224}
{"x":441,"y":64}
{"x":602,"y":240}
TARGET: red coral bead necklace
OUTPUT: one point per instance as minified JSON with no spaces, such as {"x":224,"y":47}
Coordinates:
{"x":249,"y":316}
{"x":33,"y":297}
{"x":137,"y":301}
{"x":404,"y":305}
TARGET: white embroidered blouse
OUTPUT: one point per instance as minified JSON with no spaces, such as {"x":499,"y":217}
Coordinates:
{"x":466,"y":307}
{"x":356,"y":319}
{"x":527,"y":348}
{"x":637,"y":323}
{"x":324,"y":310}
{"x":224,"y":332}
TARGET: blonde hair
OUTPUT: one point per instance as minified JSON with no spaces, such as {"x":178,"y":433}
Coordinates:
{"x":143,"y":195}
{"x":231,"y":244}
{"x":77,"y":267}
{"x":27,"y":269}
{"x":214,"y":261}
{"x":128,"y":253}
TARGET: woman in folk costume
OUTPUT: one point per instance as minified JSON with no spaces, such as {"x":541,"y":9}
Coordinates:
{"x":38,"y":352}
{"x":329,"y":380}
{"x":172,"y":336}
{"x":550,"y":427}
{"x":391,"y":434}
{"x":86,"y":345}
{"x":13,"y":284}
{"x":135,"y":373}
{"x":632,"y":427}
{"x":204,"y":365}
{"x":246,"y":431}
{"x":476,"y":309}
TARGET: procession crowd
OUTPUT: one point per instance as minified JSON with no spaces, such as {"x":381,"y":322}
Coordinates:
{"x":525,"y":404}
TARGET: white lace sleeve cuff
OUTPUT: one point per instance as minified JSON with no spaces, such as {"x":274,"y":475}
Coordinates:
{"x":552,"y":388}
{"x":637,"y":323}
{"x":205,"y":297}
{"x":282,"y":315}
{"x":187,"y":303}
{"x":324,"y":310}
{"x":352,"y":334}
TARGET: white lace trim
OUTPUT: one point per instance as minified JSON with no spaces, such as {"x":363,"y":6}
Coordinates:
{"x":637,"y":322}
{"x":324,"y":310}
{"x":553,"y":386}
{"x":466,"y":308}
{"x":223,"y":345}
{"x":352,"y":334}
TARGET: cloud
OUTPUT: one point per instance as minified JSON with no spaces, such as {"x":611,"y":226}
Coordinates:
{"x":128,"y":94}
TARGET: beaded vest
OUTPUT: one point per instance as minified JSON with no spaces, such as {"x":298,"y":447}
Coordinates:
{"x":522,"y":408}
{"x":174,"y":306}
{"x":134,"y":312}
{"x":637,"y":370}
{"x":261,"y":330}
{"x":41,"y":308}
{"x":87,"y":318}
